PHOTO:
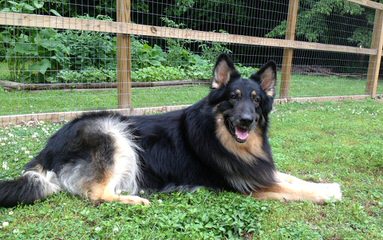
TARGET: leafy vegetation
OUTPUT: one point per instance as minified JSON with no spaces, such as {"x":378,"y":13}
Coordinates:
{"x":313,"y":21}
{"x":30,"y":55}
{"x":71,"y":56}
{"x":47,"y":55}
{"x":324,"y":142}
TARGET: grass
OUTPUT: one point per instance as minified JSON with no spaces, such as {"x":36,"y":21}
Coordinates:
{"x":330,"y":142}
{"x":55,"y":100}
{"x":21,"y":102}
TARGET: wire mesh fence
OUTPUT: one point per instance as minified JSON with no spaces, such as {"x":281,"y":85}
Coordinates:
{"x":72,"y":55}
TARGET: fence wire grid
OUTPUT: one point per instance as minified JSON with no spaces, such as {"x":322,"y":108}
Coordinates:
{"x":68,"y":68}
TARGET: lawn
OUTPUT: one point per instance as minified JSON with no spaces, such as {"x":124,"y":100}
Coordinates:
{"x":20,"y":102}
{"x":326,"y":142}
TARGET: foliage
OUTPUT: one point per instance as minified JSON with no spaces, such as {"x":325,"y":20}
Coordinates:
{"x":31,"y":54}
{"x":145,"y":74}
{"x":31,"y":6}
{"x":88,"y":75}
{"x":21,"y":6}
{"x":179,"y":54}
{"x":361,"y":37}
{"x":144,"y":55}
{"x":160,"y":73}
{"x":200,"y":9}
{"x":89,"y":49}
{"x":313,"y":24}
{"x":211,"y":51}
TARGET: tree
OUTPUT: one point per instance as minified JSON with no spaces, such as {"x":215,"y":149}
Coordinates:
{"x":318,"y":20}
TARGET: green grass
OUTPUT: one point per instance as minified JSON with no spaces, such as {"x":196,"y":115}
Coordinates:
{"x":4,"y":72}
{"x":20,"y":102}
{"x":314,"y":86}
{"x":55,"y":100}
{"x":330,"y":142}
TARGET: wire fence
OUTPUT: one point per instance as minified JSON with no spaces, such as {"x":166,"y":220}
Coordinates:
{"x":68,"y":56}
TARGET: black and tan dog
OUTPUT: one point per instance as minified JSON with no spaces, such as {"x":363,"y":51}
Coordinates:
{"x":220,"y":142}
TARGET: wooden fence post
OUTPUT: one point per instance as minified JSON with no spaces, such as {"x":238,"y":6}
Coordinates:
{"x":124,"y":81}
{"x":288,"y":52}
{"x":374,"y":63}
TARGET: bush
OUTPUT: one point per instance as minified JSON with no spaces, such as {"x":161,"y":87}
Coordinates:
{"x":161,"y":73}
{"x":90,"y":49}
{"x":147,"y":74}
{"x":31,"y":53}
{"x":144,"y":55}
{"x":89,"y":75}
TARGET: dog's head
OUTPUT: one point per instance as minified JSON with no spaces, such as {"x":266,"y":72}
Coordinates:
{"x":242,"y":103}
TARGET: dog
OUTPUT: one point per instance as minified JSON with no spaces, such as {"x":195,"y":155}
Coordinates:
{"x":220,"y":142}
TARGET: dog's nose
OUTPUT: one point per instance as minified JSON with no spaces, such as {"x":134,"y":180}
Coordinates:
{"x":246,"y":120}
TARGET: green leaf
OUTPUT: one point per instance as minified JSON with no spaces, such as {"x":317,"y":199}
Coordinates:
{"x":5,"y":10}
{"x":28,"y":7}
{"x":25,"y":49}
{"x":40,"y":66}
{"x":55,"y":13}
{"x":13,"y":3}
{"x":38,"y":4}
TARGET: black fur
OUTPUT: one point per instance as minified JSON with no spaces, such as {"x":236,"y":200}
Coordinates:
{"x":21,"y":190}
{"x":177,"y":149}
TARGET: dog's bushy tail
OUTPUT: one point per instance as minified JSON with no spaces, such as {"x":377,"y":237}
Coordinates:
{"x":31,"y":186}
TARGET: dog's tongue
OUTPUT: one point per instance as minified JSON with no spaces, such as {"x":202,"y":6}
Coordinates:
{"x":241,"y":134}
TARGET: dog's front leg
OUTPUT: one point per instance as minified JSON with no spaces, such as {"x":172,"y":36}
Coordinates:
{"x":290,"y":188}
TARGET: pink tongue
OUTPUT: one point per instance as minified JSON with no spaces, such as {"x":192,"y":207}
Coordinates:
{"x":241,"y":134}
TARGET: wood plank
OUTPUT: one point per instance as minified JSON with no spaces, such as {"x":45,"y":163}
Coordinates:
{"x":8,"y":85}
{"x":124,"y":66}
{"x":289,"y":52}
{"x":368,"y":3}
{"x":375,"y":60}
{"x":30,"y":20}
{"x":165,"y":32}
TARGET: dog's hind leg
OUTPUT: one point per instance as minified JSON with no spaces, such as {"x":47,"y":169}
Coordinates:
{"x":290,"y":188}
{"x":112,"y":168}
{"x":105,"y":192}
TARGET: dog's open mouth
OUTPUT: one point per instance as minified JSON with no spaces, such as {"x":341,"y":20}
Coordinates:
{"x":241,"y":134}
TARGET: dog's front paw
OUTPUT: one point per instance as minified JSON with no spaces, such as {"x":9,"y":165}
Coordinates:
{"x":329,"y":192}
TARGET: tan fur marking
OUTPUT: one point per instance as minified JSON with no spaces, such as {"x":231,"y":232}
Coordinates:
{"x":268,"y":81}
{"x":253,"y":94}
{"x":246,"y":151}
{"x":221,"y":75}
{"x":290,"y":188}
{"x":238,"y":92}
{"x":104,"y":192}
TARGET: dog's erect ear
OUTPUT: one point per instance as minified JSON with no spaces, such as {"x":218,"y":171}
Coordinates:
{"x":222,"y":71}
{"x":267,"y":77}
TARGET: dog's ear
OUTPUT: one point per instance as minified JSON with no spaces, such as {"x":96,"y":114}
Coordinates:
{"x":267,"y":78}
{"x":224,"y":67}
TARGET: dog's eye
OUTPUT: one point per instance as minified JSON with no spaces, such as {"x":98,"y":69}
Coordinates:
{"x":255,"y":97}
{"x":236,"y":94}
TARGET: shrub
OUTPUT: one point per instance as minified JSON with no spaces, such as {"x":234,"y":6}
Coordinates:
{"x":161,"y":73}
{"x":91,"y":49}
{"x":31,"y":53}
{"x":89,"y":75}
{"x":144,"y":55}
